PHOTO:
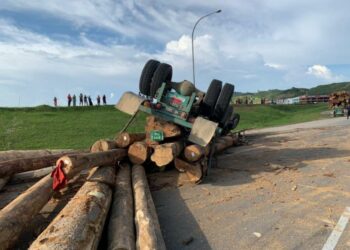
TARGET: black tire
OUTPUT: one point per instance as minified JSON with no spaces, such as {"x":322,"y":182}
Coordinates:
{"x":146,"y":76}
{"x":223,"y":101}
{"x":227,"y":117}
{"x":232,"y":124}
{"x":163,"y":73}
{"x":211,"y":97}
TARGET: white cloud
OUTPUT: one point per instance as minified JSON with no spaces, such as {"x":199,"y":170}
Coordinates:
{"x":320,"y":71}
{"x":275,"y":66}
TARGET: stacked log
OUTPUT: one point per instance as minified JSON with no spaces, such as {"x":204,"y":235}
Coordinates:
{"x":148,"y":233}
{"x":169,"y":129}
{"x":139,"y":152}
{"x":121,"y":221}
{"x":18,"y":214}
{"x":125,"y":139}
{"x":80,"y":223}
{"x":166,"y":153}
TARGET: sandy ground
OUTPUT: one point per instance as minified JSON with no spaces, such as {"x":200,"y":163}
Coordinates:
{"x":286,"y":189}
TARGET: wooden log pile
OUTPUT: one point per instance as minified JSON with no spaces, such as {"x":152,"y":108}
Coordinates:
{"x":115,"y":195}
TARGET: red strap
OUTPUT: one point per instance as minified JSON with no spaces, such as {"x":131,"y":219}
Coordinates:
{"x":59,"y":178}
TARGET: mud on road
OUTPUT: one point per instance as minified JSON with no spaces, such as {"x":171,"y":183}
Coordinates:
{"x":286,"y":189}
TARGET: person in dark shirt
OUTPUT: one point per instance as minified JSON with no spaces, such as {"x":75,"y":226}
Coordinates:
{"x":104,"y":100}
{"x":55,"y":101}
{"x":81,"y":100}
{"x":98,"y":100}
{"x":69,"y":97}
{"x":85,"y":101}
{"x":90,"y":101}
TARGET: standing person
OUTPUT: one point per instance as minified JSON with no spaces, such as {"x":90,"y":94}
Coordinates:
{"x":81,"y":99}
{"x":69,"y":97}
{"x":104,"y":100}
{"x":85,"y":101}
{"x":98,"y":100}
{"x":348,"y":109}
{"x":74,"y":100}
{"x":90,"y":101}
{"x":55,"y":101}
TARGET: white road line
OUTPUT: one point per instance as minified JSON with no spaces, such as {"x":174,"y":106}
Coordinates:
{"x":337,"y":231}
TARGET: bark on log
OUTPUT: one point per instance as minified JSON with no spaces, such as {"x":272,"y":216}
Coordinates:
{"x":106,"y":158}
{"x":165,"y":153}
{"x":30,"y":175}
{"x":16,"y":215}
{"x":139,"y":152}
{"x":195,"y":152}
{"x":194,"y":171}
{"x":8,"y":168}
{"x":80,"y":223}
{"x":125,"y":139}
{"x":103,"y":145}
{"x":4,"y":181}
{"x":121,"y":221}
{"x":19,"y":154}
{"x":169,"y":129}
{"x":148,"y":233}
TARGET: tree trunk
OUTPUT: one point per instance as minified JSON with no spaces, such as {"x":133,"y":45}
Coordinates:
{"x":148,"y":233}
{"x":103,"y":145}
{"x":30,"y":175}
{"x":16,"y":215}
{"x":166,"y":153}
{"x":8,"y":168}
{"x":125,"y":139}
{"x":80,"y":223}
{"x":139,"y":152}
{"x":121,"y":221}
{"x":19,"y":154}
{"x":194,"y":171}
{"x":169,"y":129}
{"x":195,"y":152}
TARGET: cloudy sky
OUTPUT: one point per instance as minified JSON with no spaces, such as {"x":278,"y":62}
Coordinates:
{"x":52,"y":48}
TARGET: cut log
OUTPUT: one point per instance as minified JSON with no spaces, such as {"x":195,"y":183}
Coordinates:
{"x":19,"y":154}
{"x":195,"y":152}
{"x":121,"y":221}
{"x":139,"y":152}
{"x":103,"y":145}
{"x":165,"y":153}
{"x":148,"y":233}
{"x":106,"y":158}
{"x":30,"y":175}
{"x":169,"y":129}
{"x":125,"y":139}
{"x":194,"y":171}
{"x":80,"y":223}
{"x":18,"y":214}
{"x":8,"y":168}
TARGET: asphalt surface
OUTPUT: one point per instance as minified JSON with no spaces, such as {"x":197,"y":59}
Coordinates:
{"x":286,"y":189}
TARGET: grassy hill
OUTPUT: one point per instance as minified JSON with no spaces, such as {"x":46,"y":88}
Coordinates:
{"x":325,"y":89}
{"x":76,"y":128}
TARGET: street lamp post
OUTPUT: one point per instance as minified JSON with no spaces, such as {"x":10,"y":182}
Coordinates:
{"x":195,"y":25}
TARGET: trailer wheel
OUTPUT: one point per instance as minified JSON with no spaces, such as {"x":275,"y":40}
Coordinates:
{"x":163,"y":73}
{"x":232,"y":124}
{"x":227,"y":117}
{"x":210,"y":98}
{"x":223,"y":101}
{"x":146,"y":76}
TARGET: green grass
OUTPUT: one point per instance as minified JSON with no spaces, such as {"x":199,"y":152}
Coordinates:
{"x":77,"y":128}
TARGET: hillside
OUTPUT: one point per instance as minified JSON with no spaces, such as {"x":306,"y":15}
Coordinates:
{"x":325,"y":89}
{"x":77,"y":128}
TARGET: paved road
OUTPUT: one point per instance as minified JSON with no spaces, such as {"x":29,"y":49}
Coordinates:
{"x":285,"y":190}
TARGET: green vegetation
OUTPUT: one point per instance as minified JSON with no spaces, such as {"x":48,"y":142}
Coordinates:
{"x":75,"y":128}
{"x":325,"y":89}
{"x":260,"y":116}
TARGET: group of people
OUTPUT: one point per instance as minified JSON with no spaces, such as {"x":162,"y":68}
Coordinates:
{"x":84,"y":100}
